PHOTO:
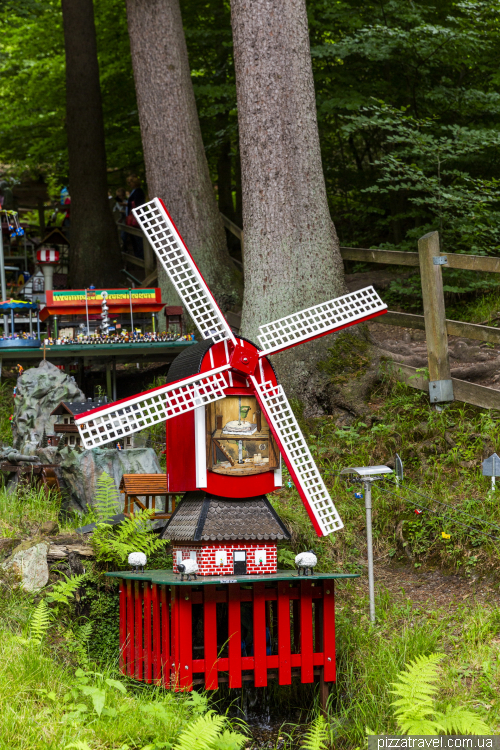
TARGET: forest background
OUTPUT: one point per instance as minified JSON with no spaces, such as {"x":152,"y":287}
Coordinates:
{"x":407,"y":100}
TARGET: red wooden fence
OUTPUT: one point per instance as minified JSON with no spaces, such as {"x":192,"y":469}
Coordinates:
{"x":156,"y":633}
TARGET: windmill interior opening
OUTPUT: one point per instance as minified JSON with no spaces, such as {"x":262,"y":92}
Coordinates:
{"x":239,"y":441}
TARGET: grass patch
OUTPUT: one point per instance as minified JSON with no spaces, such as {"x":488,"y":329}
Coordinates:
{"x":442,"y":454}
{"x":45,"y":705}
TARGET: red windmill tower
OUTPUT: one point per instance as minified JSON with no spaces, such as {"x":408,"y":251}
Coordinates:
{"x":228,"y":425}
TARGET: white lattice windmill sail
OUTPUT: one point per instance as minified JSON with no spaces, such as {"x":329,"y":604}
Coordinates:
{"x":122,"y":418}
{"x":297,"y":456}
{"x":319,"y":320}
{"x":183,"y":272}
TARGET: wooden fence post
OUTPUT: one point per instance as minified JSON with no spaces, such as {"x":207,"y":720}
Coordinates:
{"x":440,"y":383}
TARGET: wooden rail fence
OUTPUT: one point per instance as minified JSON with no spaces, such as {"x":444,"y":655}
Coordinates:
{"x":437,"y":327}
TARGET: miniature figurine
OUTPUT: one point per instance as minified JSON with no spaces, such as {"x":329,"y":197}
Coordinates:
{"x":306,"y":561}
{"x":137,"y":560}
{"x":188,"y":568}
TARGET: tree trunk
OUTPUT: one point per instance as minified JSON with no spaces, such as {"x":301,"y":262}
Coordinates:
{"x":94,"y":250}
{"x":292,"y":257}
{"x":176,"y":165}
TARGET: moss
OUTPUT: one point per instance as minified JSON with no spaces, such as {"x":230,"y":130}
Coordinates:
{"x":348,"y":358}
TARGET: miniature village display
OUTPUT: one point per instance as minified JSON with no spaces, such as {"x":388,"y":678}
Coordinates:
{"x":12,"y":339}
{"x":228,"y":425}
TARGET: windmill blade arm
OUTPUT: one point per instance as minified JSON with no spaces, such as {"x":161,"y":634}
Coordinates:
{"x":123,"y":418}
{"x":320,"y":320}
{"x":297,"y":457}
{"x":157,"y":225}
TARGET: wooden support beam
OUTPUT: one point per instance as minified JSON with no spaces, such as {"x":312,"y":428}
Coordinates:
{"x":399,"y":258}
{"x":453,"y":327}
{"x":469,"y":393}
{"x":392,"y":257}
{"x":434,"y":313}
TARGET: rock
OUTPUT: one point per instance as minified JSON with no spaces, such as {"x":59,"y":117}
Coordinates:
{"x":50,"y":528}
{"x":39,"y":390}
{"x":29,"y":561}
{"x":81,"y":470}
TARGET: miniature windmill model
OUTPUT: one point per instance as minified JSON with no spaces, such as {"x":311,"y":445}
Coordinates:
{"x":228,"y":419}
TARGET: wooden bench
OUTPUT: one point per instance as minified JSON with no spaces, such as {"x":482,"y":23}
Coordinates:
{"x":147,"y":486}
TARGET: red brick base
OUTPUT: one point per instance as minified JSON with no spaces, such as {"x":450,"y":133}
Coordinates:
{"x":261,"y":556}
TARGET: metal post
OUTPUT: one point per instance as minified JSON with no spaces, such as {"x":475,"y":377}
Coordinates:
{"x":31,"y":322}
{"x":131,"y":314}
{"x":108,"y":381}
{"x":38,"y":322}
{"x":2,"y":281}
{"x":369,"y":543}
{"x":12,"y":321}
{"x":87,"y":312}
{"x":114,"y":378}
{"x":55,"y":327}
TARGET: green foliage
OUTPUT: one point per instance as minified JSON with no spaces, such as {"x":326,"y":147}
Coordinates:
{"x":134,"y":534}
{"x":32,"y":116}
{"x":416,"y":688}
{"x":208,"y":733}
{"x":64,"y":590}
{"x":106,"y":499}
{"x":348,"y":358}
{"x":286,"y":558}
{"x":40,"y":622}
{"x":316,"y":737}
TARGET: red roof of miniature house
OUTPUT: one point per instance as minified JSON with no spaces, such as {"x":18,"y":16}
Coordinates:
{"x":201,"y":517}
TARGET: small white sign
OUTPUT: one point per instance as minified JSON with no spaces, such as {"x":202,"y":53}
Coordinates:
{"x":228,"y":580}
{"x":221,"y":557}
{"x":260,"y":556}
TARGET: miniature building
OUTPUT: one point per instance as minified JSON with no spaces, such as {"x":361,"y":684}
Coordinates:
{"x":226,"y":536}
{"x":173,"y":315}
{"x":65,"y":423}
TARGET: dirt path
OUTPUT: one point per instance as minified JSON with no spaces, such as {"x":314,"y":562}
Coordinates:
{"x":432,"y":587}
{"x":470,"y":360}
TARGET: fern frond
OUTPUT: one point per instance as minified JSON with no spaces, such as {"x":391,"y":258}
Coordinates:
{"x":107,"y":502}
{"x":317,"y":736}
{"x":459,"y":720}
{"x":417,"y":684}
{"x":418,"y":725}
{"x":202,"y":733}
{"x":65,"y":589}
{"x":40,"y":622}
{"x":80,"y":645}
{"x":133,"y":534}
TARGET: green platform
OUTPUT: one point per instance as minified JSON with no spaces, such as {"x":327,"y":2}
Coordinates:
{"x":169,"y":578}
{"x":155,"y":351}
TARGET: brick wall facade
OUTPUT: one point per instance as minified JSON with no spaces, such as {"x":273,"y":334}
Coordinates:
{"x":261,"y":557}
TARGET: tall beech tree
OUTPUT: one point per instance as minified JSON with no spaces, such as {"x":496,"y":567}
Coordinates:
{"x":176,"y":165}
{"x":292,"y":257}
{"x":95,"y":250}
